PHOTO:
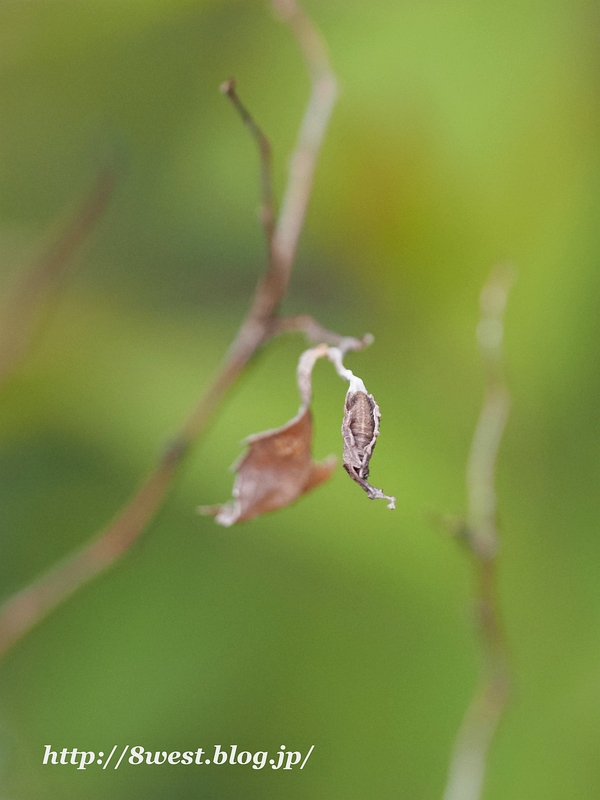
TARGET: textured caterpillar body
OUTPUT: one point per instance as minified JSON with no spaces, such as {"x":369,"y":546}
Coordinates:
{"x":361,"y":422}
{"x":360,"y":430}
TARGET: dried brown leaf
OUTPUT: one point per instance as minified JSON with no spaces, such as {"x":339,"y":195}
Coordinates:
{"x":275,"y":471}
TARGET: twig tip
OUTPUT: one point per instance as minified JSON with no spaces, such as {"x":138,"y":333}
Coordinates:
{"x":227,"y":87}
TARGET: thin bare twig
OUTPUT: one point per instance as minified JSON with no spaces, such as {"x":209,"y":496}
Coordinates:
{"x":23,"y":307}
{"x":472,"y":744}
{"x":24,"y":610}
{"x":264,"y":148}
{"x":316,"y":333}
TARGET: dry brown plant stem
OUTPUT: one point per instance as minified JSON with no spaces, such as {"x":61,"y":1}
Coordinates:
{"x":472,"y":744}
{"x":24,"y":610}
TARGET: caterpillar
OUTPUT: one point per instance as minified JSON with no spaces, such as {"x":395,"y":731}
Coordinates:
{"x":360,"y":429}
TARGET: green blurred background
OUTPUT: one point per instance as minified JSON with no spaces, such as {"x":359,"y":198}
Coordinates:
{"x":466,"y":133}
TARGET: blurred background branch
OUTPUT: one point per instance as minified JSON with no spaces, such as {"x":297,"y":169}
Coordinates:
{"x":23,"y":308}
{"x":471,"y":748}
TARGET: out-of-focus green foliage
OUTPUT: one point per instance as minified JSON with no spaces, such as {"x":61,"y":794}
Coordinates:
{"x":466,"y":133}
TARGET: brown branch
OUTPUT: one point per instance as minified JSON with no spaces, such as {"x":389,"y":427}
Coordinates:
{"x":23,"y":307}
{"x":473,"y":741}
{"x":24,"y":610}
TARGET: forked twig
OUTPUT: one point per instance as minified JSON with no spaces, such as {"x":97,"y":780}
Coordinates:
{"x":303,"y":161}
{"x":471,"y":747}
{"x":24,"y":610}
